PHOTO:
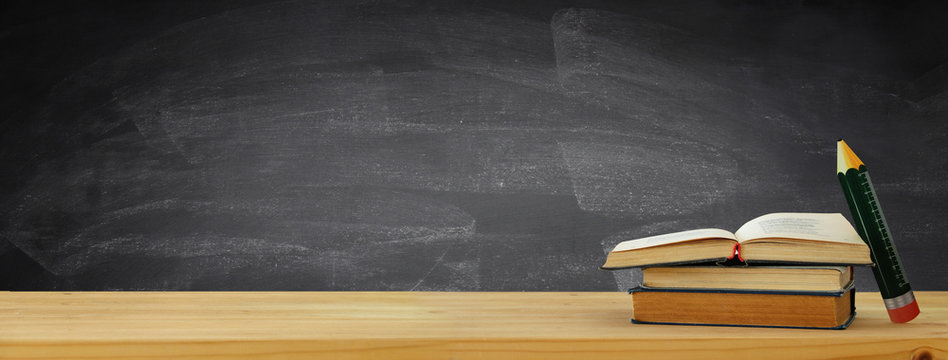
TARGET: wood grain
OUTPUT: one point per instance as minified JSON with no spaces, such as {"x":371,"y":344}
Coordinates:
{"x":426,"y":325}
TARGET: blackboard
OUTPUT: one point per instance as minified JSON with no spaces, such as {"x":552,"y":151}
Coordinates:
{"x":444,"y":146}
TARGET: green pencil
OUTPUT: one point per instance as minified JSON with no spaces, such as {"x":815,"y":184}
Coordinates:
{"x":870,"y":223}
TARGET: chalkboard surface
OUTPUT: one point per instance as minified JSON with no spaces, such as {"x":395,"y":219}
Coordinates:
{"x":442,"y":146}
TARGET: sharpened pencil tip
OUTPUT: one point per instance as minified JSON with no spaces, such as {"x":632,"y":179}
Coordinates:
{"x":845,"y":158}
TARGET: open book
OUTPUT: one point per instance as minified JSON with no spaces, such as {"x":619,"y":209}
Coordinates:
{"x":795,"y":238}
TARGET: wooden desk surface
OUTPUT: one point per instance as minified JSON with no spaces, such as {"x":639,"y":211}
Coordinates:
{"x":425,"y":325}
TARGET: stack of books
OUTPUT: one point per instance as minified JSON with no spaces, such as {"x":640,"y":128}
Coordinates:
{"x":778,"y":270}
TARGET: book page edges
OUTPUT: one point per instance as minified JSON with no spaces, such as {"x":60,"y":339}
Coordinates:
{"x":778,"y":277}
{"x":843,"y":326}
{"x":834,"y":293}
{"x":850,"y":289}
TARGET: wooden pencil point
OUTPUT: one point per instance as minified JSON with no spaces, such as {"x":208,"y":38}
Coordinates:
{"x":845,"y":158}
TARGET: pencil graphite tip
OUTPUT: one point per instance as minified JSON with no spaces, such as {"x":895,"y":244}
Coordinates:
{"x":845,"y":158}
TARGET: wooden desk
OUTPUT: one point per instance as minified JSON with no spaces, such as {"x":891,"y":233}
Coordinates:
{"x":425,"y":325}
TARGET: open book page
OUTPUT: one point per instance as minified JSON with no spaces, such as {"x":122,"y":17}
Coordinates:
{"x":672,"y":238}
{"x":808,"y":226}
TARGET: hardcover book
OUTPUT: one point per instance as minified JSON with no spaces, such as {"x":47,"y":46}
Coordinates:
{"x":793,"y":309}
{"x":790,"y":238}
{"x":785,"y":278}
